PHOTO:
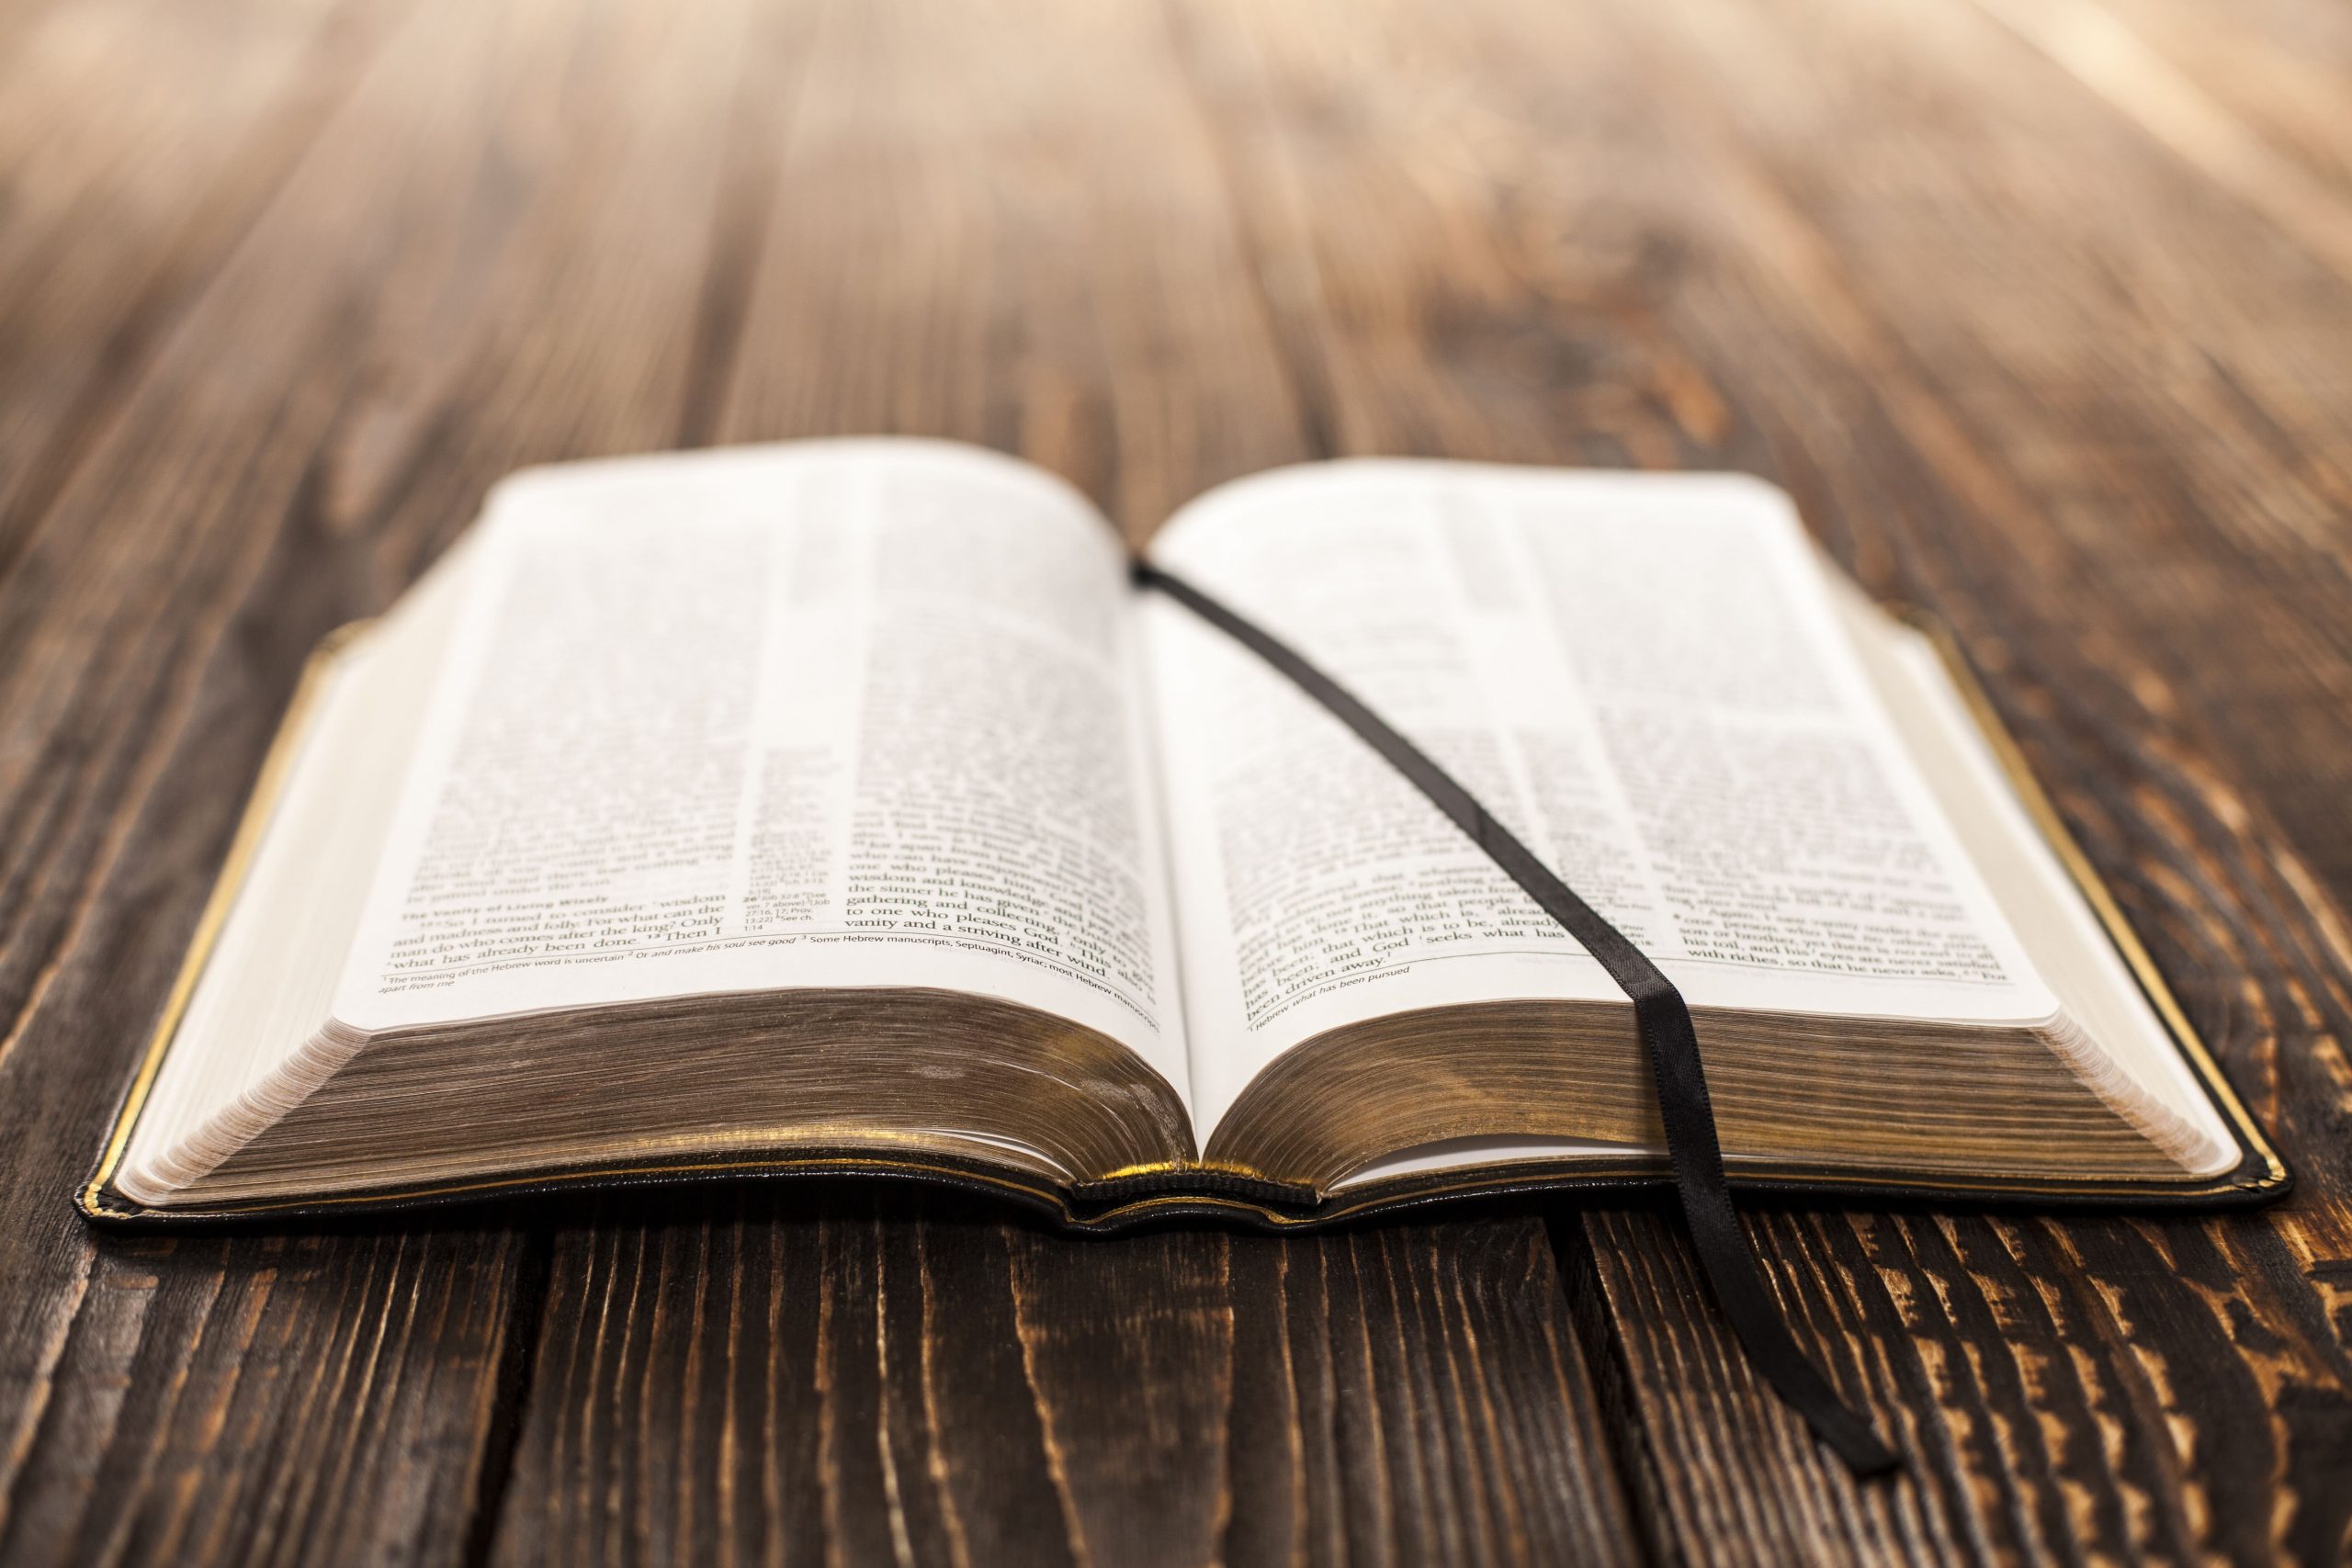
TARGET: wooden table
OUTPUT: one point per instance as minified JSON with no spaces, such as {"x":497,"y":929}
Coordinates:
{"x":2041,"y":308}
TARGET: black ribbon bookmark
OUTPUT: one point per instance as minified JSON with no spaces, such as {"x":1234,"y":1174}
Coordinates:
{"x":1659,"y":1013}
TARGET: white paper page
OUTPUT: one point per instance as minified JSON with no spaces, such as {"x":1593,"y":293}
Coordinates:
{"x":1641,"y":675}
{"x":271,"y":975}
{"x":2096,"y":985}
{"x":848,"y":714}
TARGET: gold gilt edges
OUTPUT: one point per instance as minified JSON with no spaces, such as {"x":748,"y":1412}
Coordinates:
{"x":1616,"y":1173}
{"x":2262,"y":1176}
{"x":269,"y":783}
{"x":2274,"y":1178}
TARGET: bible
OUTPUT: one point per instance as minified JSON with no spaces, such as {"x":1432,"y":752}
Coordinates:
{"x":844,"y":808}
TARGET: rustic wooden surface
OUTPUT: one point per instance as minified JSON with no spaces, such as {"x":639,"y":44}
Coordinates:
{"x":2042,"y":309}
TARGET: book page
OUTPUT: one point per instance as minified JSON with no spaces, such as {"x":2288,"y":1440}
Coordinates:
{"x":1642,"y":676}
{"x":847,"y":714}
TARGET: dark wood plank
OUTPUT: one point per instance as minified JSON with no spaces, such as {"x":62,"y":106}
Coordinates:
{"x":2078,"y":400}
{"x":485,"y":256}
{"x":959,"y":245}
{"x":115,"y":219}
{"x":800,"y":1374}
{"x":964,"y":243}
{"x":305,"y":1399}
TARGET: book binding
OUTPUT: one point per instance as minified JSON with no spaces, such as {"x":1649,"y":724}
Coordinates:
{"x":1199,"y":1192}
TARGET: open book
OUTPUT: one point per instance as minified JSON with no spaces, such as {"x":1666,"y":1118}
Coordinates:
{"x":841,"y":806}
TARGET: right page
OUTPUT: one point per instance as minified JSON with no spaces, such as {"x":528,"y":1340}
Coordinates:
{"x":1643,"y":675}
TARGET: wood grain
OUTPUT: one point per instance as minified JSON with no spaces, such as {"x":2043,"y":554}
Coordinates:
{"x":1654,"y":234}
{"x":2043,"y":312}
{"x":899,"y":1380}
{"x":282,"y":456}
{"x":975,"y":1392}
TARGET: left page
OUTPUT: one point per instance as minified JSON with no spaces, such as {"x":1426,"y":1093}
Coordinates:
{"x":834,"y":715}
